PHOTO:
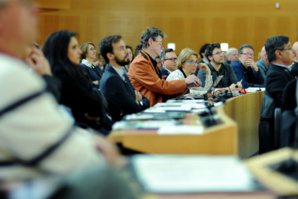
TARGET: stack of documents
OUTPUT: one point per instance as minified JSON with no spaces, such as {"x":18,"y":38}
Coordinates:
{"x":182,"y":174}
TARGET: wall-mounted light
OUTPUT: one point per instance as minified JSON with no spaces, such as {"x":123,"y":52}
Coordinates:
{"x":224,"y":47}
{"x":172,"y":45}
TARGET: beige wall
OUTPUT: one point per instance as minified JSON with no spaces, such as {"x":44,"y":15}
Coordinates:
{"x":188,"y":23}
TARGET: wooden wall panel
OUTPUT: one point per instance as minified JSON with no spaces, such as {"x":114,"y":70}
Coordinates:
{"x":188,"y":23}
{"x":53,"y":4}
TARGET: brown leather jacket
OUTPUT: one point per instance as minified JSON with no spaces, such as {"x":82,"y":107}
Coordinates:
{"x":144,"y":79}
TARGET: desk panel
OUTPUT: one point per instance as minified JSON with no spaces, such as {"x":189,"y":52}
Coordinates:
{"x":221,"y":139}
{"x":245,"y":111}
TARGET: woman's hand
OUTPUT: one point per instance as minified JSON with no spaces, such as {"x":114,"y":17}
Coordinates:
{"x":204,"y":67}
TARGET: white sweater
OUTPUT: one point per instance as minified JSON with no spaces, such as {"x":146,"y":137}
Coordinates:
{"x":31,"y":128}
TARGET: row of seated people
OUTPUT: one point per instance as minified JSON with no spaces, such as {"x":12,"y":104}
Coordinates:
{"x":37,"y":140}
{"x":242,"y":69}
{"x":144,"y":85}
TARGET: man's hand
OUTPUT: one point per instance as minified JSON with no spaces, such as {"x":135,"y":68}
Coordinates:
{"x":193,"y":81}
{"x":138,"y":95}
{"x":38,"y":62}
{"x":234,"y":87}
{"x":250,"y":62}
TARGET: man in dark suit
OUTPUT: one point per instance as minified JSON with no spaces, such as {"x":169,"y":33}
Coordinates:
{"x":280,"y":55}
{"x":115,"y":85}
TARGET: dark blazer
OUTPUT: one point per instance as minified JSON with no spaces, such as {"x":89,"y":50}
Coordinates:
{"x":120,"y":94}
{"x":275,"y":83}
{"x":249,"y":77}
{"x":164,"y":72}
{"x":276,"y":80}
{"x":93,"y":74}
{"x":289,"y":96}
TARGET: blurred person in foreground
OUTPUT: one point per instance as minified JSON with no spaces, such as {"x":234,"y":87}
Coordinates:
{"x":37,"y":140}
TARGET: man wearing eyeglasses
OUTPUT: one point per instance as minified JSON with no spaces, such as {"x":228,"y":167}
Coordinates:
{"x":169,"y":62}
{"x":218,"y":68}
{"x":146,"y":77}
{"x":280,"y":55}
{"x":245,"y":68}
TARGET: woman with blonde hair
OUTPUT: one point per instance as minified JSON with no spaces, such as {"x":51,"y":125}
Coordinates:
{"x":90,"y":69}
{"x":187,"y":63}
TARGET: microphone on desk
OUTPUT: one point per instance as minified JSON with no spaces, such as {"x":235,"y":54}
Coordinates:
{"x":207,"y":117}
{"x":259,"y":88}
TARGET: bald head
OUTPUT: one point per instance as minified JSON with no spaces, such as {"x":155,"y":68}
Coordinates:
{"x":264,"y":56}
{"x":18,"y":26}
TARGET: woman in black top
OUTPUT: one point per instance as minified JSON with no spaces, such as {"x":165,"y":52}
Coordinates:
{"x":87,"y":105}
{"x":90,"y":69}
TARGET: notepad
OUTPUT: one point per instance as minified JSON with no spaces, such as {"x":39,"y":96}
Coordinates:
{"x":148,"y":124}
{"x":179,"y":130}
{"x":184,"y":174}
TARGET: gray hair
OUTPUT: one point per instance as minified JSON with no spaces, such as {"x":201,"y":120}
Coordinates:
{"x":152,"y":33}
{"x":230,"y":50}
{"x":164,"y":52}
{"x":245,"y":46}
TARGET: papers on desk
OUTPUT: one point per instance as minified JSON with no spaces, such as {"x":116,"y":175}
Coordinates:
{"x":174,"y":106}
{"x":148,"y":124}
{"x":181,"y":174}
{"x":254,"y":89}
{"x":179,"y":105}
{"x":155,"y":116}
{"x":186,"y":101}
{"x":179,"y":130}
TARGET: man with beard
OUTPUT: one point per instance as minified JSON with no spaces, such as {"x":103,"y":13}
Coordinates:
{"x":217,"y":67}
{"x":122,"y":97}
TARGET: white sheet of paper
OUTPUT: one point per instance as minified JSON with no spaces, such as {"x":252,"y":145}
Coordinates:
{"x":174,"y":174}
{"x":183,"y":129}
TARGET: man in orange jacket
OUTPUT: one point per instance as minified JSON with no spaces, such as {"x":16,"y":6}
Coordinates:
{"x":145,"y":76}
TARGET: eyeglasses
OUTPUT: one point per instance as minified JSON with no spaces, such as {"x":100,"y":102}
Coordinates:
{"x":218,"y":53}
{"x":287,"y":48}
{"x":92,"y":49}
{"x":26,"y":3}
{"x":159,"y":42}
{"x":172,"y":59}
{"x":248,"y":54}
{"x":193,"y":62}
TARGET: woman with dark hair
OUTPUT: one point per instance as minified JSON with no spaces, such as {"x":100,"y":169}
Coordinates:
{"x":90,"y":69}
{"x":87,"y":105}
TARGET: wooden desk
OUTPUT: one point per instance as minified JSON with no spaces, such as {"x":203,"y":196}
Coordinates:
{"x":279,"y":183}
{"x":245,"y":111}
{"x":221,"y":139}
